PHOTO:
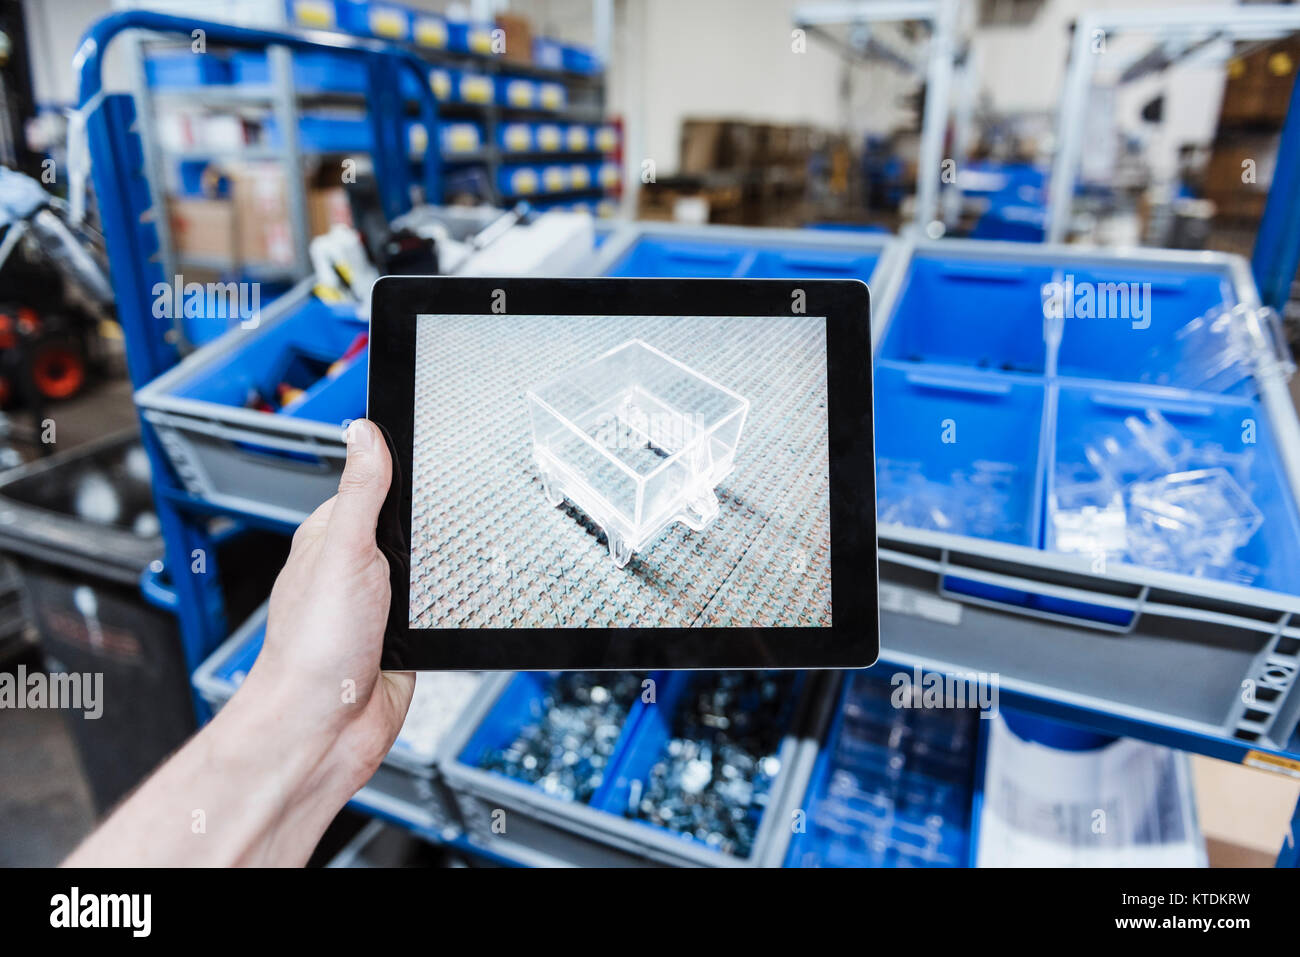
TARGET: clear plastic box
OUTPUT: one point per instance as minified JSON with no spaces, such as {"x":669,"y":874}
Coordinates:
{"x":637,"y":440}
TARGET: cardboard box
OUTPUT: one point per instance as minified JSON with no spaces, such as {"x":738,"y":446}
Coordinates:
{"x":263,"y":232}
{"x":203,"y":228}
{"x":519,"y":37}
{"x":1258,"y":89}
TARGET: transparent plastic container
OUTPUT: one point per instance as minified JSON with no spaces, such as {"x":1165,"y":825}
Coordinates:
{"x":638,"y":441}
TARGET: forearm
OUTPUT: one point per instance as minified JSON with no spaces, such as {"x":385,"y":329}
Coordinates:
{"x":249,"y":789}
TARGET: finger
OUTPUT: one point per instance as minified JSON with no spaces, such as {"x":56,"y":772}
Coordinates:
{"x":366,"y":475}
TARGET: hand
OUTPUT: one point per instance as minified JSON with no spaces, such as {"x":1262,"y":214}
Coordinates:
{"x":325,"y":631}
{"x":311,"y":722}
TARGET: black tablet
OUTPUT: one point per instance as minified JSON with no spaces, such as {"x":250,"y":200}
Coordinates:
{"x":626,"y":473}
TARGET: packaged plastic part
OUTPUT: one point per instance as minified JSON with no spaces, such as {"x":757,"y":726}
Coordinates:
{"x":637,"y":441}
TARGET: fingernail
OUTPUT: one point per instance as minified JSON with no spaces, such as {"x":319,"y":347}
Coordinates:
{"x":361,"y":436}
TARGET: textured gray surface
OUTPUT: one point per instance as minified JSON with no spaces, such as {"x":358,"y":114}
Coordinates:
{"x":488,"y":551}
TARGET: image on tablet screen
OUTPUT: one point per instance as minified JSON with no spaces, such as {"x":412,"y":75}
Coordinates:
{"x":620,"y":471}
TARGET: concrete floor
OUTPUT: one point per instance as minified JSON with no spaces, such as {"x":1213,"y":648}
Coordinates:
{"x":45,"y":804}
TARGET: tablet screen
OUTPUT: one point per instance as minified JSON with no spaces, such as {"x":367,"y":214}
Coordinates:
{"x":611,"y":471}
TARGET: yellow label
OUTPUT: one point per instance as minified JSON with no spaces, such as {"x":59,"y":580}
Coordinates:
{"x":578,"y":139}
{"x":552,"y":96}
{"x":440,"y":83}
{"x":609,"y":175}
{"x":430,"y":32}
{"x":387,"y":23}
{"x":555,"y":179}
{"x":480,"y":40}
{"x":606,"y":139}
{"x":1272,"y":762}
{"x":517,"y":138}
{"x":548,"y":138}
{"x":313,"y":13}
{"x":519,"y":93}
{"x":523,"y":182}
{"x":462,"y":139}
{"x":476,"y":89}
{"x":581,"y":177}
{"x":418,"y":138}
{"x":1280,"y":64}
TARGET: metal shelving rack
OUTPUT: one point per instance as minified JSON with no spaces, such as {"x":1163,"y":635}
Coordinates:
{"x":286,"y":101}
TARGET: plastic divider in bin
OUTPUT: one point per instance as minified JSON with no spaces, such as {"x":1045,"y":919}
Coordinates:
{"x":652,"y":256}
{"x":970,"y":312}
{"x":1221,"y":431}
{"x":959,"y":452}
{"x":1122,"y":323}
{"x":869,"y":803}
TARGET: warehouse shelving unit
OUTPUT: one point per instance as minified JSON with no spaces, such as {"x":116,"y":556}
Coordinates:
{"x":917,"y":626}
{"x":285,"y":100}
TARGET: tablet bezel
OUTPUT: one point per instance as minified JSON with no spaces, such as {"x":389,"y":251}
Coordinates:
{"x":852,"y":640}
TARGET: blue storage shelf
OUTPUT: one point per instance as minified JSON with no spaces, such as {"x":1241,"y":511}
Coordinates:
{"x":891,"y":787}
{"x":312,"y":72}
{"x":181,"y":70}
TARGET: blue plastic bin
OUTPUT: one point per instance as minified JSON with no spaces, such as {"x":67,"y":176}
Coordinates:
{"x":548,"y":53}
{"x":521,"y":703}
{"x":654,"y":729}
{"x":313,"y":14}
{"x":578,"y":59}
{"x":947,"y":421}
{"x":429,"y":30}
{"x":929,"y":776}
{"x":181,"y":70}
{"x":369,"y":18}
{"x":312,"y":72}
{"x":325,"y":133}
{"x":515,"y":137}
{"x":516,"y":92}
{"x":1128,"y":348}
{"x":298,"y":350}
{"x":466,"y":37}
{"x":970,"y":312}
{"x":1086,"y":412}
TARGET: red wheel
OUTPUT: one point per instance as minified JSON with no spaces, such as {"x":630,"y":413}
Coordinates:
{"x":58,"y":370}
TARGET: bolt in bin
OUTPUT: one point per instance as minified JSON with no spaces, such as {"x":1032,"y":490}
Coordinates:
{"x":276,"y":464}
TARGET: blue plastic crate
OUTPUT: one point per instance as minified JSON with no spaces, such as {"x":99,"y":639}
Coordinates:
{"x":548,"y":53}
{"x":880,"y":797}
{"x":313,"y":14}
{"x":370,"y":18}
{"x":326,"y":133}
{"x":429,"y":30}
{"x":181,"y":70}
{"x":298,"y":351}
{"x":977,"y":313}
{"x":515,"y":137}
{"x":464,"y":36}
{"x":1087,"y":412}
{"x":517,"y":92}
{"x":688,"y":258}
{"x":312,"y":72}
{"x":519,"y":180}
{"x":578,"y":59}
{"x":948,"y":422}
{"x":1131,"y":349}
